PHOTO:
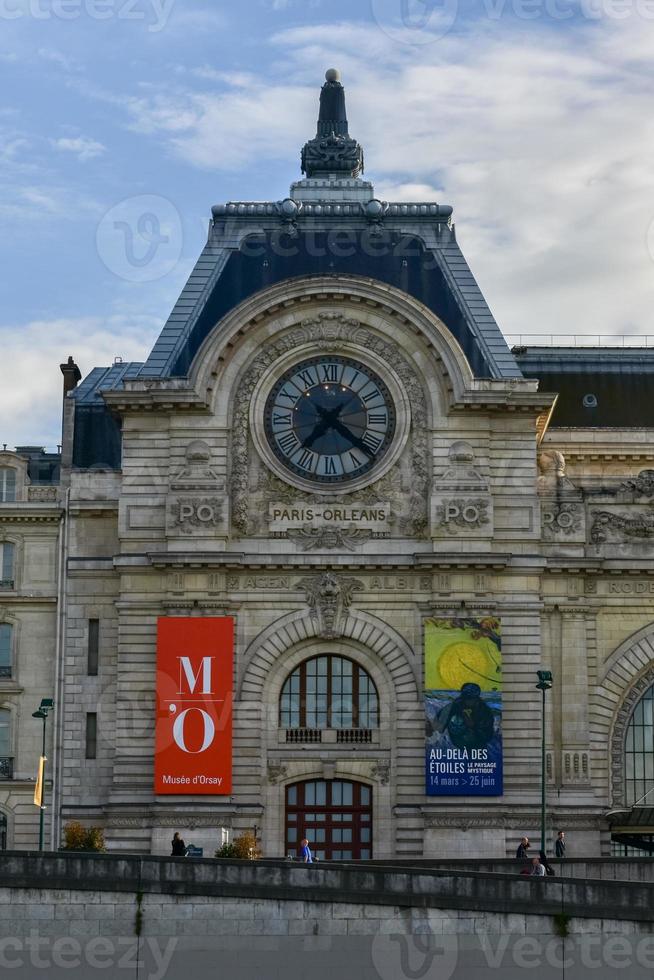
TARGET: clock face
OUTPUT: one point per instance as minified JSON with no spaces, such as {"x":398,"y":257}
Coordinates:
{"x":330,"y":419}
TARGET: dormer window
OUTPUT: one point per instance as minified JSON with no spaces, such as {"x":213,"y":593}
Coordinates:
{"x":7,"y":484}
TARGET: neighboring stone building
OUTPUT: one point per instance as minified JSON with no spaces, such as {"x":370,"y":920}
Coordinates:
{"x":433,"y":485}
{"x":30,"y":520}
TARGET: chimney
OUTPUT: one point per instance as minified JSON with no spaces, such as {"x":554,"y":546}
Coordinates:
{"x":71,"y":374}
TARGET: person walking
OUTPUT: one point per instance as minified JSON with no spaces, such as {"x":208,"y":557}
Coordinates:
{"x":305,"y":851}
{"x":560,"y":844}
{"x":537,"y":869}
{"x":523,"y":848}
{"x":179,"y":847}
{"x":542,"y":857}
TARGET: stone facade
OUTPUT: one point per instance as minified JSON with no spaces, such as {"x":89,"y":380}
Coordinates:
{"x":30,"y":522}
{"x":185,"y":529}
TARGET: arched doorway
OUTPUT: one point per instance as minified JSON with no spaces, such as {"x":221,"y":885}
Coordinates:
{"x":335,"y":815}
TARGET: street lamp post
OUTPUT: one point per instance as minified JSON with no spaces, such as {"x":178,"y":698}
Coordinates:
{"x":47,"y":704}
{"x":544,"y":684}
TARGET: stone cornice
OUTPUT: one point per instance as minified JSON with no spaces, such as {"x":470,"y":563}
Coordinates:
{"x":155,"y":396}
{"x":30,"y":514}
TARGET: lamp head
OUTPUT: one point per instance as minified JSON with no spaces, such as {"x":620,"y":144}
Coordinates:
{"x":545,"y":680}
{"x":47,"y":704}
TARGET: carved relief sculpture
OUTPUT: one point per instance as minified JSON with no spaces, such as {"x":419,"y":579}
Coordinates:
{"x":329,"y":597}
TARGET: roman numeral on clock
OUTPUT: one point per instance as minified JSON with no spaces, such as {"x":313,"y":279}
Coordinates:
{"x":372,"y":442}
{"x":329,"y":466}
{"x":287,"y":394}
{"x":305,"y":462}
{"x":377,"y":418}
{"x":307,"y":379}
{"x":375,"y":393}
{"x":329,"y":372}
{"x":282,"y":419}
{"x":288,"y":442}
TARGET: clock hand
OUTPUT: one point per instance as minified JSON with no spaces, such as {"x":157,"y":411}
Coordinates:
{"x":355,"y":440}
{"x":327,"y":419}
{"x":319,"y":430}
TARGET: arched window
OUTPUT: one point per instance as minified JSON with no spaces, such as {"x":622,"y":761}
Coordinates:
{"x":6,"y":758}
{"x":7,"y":554}
{"x":639,"y":752}
{"x":6,"y":637}
{"x":3,"y":831}
{"x":7,"y":484}
{"x":329,"y":692}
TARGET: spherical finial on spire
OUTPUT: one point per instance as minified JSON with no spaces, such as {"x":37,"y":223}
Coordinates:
{"x":333,"y":75}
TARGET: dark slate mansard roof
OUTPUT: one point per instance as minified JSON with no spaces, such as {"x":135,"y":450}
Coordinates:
{"x":598,"y":387}
{"x":252,"y":246}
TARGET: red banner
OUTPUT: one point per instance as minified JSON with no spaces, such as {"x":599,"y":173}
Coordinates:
{"x":193,"y":753}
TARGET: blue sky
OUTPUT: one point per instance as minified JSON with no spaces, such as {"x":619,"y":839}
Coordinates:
{"x":533,"y":118}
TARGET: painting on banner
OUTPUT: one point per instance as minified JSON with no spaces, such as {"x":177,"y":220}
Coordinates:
{"x":463,"y":707}
{"x":193,"y":752}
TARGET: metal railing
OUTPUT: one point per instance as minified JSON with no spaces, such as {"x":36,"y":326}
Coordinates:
{"x":6,"y":767}
{"x":579,"y":340}
{"x":7,"y":584}
{"x":354,"y":736}
{"x":296,"y":736}
{"x":5,"y":670}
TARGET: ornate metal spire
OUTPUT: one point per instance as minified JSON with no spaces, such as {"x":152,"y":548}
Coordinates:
{"x":332,"y":150}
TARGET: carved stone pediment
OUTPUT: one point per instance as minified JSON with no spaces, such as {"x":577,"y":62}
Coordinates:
{"x":461,"y":502}
{"x":461,"y":473}
{"x":197,"y":472}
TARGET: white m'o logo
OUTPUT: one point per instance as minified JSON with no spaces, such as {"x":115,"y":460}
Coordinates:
{"x":209,"y":731}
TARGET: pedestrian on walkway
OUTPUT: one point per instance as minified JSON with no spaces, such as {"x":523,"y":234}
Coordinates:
{"x":305,"y":851}
{"x":542,"y":857}
{"x":523,"y":848}
{"x":560,"y":844}
{"x":537,"y":869}
{"x":179,"y":847}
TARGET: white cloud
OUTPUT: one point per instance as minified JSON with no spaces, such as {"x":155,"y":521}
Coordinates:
{"x":539,"y":138}
{"x":83,"y":148}
{"x":30,"y":408}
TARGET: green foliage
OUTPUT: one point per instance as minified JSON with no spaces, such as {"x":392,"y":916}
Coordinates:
{"x":77,"y":837}
{"x":561,"y":924}
{"x":242,"y":848}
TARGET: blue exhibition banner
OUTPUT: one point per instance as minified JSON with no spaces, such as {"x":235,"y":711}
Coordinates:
{"x":463,"y":707}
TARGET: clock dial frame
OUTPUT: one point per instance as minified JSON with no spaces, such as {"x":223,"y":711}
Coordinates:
{"x":330,"y":419}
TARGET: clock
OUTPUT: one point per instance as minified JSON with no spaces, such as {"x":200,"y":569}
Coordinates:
{"x":329,"y":419}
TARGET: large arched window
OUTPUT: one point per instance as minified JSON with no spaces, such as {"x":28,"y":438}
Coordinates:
{"x":7,"y":484}
{"x":7,"y":556}
{"x":6,"y":642}
{"x":6,"y":758}
{"x":329,"y":692}
{"x":639,"y":752}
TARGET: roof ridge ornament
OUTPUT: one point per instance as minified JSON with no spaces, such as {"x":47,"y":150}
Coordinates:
{"x":332,"y":151}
